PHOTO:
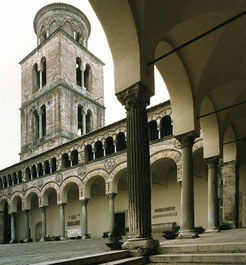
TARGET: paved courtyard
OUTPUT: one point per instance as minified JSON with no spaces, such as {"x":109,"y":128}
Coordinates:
{"x":31,"y":253}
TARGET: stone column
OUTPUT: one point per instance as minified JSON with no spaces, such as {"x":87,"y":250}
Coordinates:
{"x":187,"y":190}
{"x":111,"y":211}
{"x":40,"y":125}
{"x":13,"y":235}
{"x":62,"y":221}
{"x":26,"y":228}
{"x":213,"y":205}
{"x":230,"y":190}
{"x":84,"y":228}
{"x":82,"y":76}
{"x":40,"y":79}
{"x":43,"y":223}
{"x":135,"y":99}
{"x":84,"y":123}
{"x":1,"y":227}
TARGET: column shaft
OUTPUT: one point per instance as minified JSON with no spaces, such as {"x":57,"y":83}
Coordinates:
{"x":187,"y":191}
{"x":43,"y":223}
{"x":135,"y":100}
{"x":26,"y":224}
{"x":84,"y":124}
{"x":40,"y":79}
{"x":213,"y":206}
{"x":1,"y":227}
{"x":111,"y":211}
{"x":84,"y":228}
{"x":40,"y":126}
{"x":62,"y":221}
{"x":13,"y":235}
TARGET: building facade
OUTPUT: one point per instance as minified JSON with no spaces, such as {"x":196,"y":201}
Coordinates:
{"x":72,"y":178}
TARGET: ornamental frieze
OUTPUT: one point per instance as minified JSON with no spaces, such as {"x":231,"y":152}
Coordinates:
{"x":109,"y":164}
{"x":59,"y":178}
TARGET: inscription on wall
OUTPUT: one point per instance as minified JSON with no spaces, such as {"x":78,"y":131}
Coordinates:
{"x":166,"y":212}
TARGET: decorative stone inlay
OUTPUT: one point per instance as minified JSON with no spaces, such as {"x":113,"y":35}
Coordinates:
{"x":24,"y":188}
{"x":9,"y":191}
{"x":177,"y":144}
{"x":40,"y":183}
{"x":82,"y":171}
{"x":109,"y":163}
{"x":59,"y":178}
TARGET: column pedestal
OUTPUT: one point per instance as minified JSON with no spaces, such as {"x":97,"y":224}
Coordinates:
{"x":84,"y":228}
{"x":187,"y":190}
{"x":43,"y":224}
{"x":135,"y":99}
{"x":213,"y":205}
{"x":62,"y":221}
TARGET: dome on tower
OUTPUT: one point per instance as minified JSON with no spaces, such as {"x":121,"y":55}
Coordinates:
{"x":59,"y":15}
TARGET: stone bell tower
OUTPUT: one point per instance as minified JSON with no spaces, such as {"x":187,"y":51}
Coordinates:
{"x":62,"y":94}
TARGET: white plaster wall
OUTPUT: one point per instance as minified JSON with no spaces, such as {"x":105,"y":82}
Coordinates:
{"x":52,"y":219}
{"x":98,"y":215}
{"x":34,"y":217}
{"x":19,"y":228}
{"x":73,"y":208}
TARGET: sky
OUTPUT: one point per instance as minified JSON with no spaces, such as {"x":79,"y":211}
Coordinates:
{"x":18,"y":40}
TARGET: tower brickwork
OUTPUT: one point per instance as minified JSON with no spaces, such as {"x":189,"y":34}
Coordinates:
{"x":62,"y":94}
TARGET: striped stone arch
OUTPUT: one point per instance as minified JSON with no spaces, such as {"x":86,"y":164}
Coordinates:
{"x":172,"y":154}
{"x":114,"y":177}
{"x":14,"y":201}
{"x":64,"y":187}
{"x":98,"y":138}
{"x":74,"y":147}
{"x":153,"y":116}
{"x":109,"y":134}
{"x":197,"y":145}
{"x":27,"y":197}
{"x":3,"y":200}
{"x":89,"y":178}
{"x":44,"y":193}
{"x":166,"y":112}
{"x":86,"y":143}
{"x":120,"y":129}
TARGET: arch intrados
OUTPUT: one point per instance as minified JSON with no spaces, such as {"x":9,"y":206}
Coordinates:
{"x":14,"y":201}
{"x":3,"y":200}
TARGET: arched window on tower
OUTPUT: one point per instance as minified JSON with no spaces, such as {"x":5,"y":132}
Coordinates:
{"x":35,"y":125}
{"x":88,"y":121}
{"x":166,"y":126}
{"x":44,"y":71}
{"x":43,"y":36}
{"x":35,"y":78}
{"x":79,"y":37}
{"x":20,"y":176}
{"x":78,"y":72}
{"x":120,"y":142}
{"x":80,"y":120}
{"x":34,"y":172}
{"x":15,"y":179}
{"x":43,"y":113}
{"x":40,"y":170}
{"x":153,"y":132}
{"x":10,"y":182}
{"x":87,"y":77}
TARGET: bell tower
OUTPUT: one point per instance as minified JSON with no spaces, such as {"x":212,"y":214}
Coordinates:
{"x":62,"y":94}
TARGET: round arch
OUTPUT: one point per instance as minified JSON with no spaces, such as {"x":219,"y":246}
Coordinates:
{"x":28,"y":196}
{"x":89,"y":179}
{"x":14,"y":200}
{"x":172,"y":154}
{"x":45,"y":193}
{"x":3,"y":200}
{"x":65,"y":187}
{"x":210,"y":129}
{"x":115,"y":176}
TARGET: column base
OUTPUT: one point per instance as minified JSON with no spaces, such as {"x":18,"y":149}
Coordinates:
{"x":12,"y":241}
{"x":141,"y":246}
{"x":26,"y":240}
{"x":42,"y":239}
{"x":212,"y":230}
{"x":62,"y":239}
{"x":187,"y":234}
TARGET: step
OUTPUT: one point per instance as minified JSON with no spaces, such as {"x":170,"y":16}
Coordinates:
{"x":129,"y":261}
{"x":212,"y":258}
{"x":203,"y":248}
{"x":91,"y":259}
